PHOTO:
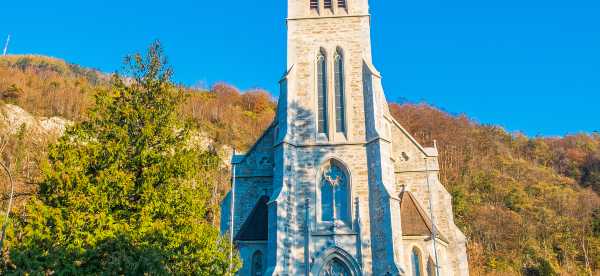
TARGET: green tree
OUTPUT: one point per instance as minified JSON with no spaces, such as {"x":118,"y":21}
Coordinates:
{"x":124,"y":192}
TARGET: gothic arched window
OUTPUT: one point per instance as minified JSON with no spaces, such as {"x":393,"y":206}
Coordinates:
{"x":415,"y":260}
{"x":340,"y":108}
{"x":431,"y":268}
{"x":335,"y":267}
{"x":322,"y":92}
{"x":335,"y":193}
{"x":257,"y":263}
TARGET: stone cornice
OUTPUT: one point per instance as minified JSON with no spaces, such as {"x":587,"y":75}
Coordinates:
{"x":337,"y":144}
{"x":327,"y":17}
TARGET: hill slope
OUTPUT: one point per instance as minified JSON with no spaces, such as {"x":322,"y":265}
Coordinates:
{"x":526,"y":204}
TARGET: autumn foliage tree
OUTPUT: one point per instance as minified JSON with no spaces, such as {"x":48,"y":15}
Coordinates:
{"x":124,"y":192}
{"x":229,"y":116}
{"x":524,"y":203}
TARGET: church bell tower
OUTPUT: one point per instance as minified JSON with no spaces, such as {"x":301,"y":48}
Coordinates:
{"x":335,"y":186}
{"x":331,"y":121}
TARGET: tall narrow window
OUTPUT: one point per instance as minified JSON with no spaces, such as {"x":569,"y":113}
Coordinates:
{"x":322,"y":92}
{"x":340,"y":110}
{"x":415,"y":259}
{"x":335,"y":193}
{"x":257,"y":264}
{"x":314,"y":4}
{"x":431,"y":268}
{"x":327,"y":4}
{"x":342,"y":4}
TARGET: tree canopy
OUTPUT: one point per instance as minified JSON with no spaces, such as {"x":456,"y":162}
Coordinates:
{"x":124,"y":191}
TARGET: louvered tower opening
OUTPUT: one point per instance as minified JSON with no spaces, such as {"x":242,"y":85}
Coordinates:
{"x":328,"y":4}
{"x":314,"y":4}
{"x":341,"y":4}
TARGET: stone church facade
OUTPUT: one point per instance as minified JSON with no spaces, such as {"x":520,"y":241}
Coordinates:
{"x":336,"y":186}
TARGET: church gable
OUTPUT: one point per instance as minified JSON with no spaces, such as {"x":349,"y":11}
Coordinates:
{"x":415,"y":222}
{"x":258,"y":161}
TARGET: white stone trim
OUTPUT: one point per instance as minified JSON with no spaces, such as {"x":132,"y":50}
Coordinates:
{"x":326,"y":17}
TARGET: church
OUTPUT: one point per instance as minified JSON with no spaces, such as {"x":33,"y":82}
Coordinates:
{"x":335,"y":185}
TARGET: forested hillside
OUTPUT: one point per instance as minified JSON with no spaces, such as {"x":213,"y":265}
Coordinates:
{"x":527,"y":205}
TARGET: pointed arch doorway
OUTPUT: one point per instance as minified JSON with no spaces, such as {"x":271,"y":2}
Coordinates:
{"x":335,"y":262}
{"x":335,"y":267}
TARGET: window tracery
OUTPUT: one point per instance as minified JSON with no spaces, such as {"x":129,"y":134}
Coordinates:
{"x":335,"y":267}
{"x":334,"y":194}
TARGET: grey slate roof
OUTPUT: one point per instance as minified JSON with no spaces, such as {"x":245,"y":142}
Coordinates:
{"x":256,"y":226}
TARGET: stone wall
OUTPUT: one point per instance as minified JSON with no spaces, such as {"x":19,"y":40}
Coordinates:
{"x":305,"y":39}
{"x":382,"y":159}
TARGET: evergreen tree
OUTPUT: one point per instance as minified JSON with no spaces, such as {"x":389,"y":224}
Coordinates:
{"x":124,"y":192}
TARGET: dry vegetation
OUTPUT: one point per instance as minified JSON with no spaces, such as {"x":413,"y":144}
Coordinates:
{"x":230,"y":117}
{"x":527,"y":205}
{"x":47,"y":86}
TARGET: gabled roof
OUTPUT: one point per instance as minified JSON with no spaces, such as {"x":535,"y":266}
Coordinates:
{"x":415,"y":221}
{"x":256,"y":226}
{"x":240,"y":157}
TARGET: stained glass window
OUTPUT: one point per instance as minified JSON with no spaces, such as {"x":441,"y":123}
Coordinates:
{"x":334,"y":194}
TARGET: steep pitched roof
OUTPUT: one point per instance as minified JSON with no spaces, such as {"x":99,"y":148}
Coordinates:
{"x":256,"y":226}
{"x":415,"y":222}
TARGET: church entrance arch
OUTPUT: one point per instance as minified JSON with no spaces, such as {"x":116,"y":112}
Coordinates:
{"x":335,"y":267}
{"x":335,"y":262}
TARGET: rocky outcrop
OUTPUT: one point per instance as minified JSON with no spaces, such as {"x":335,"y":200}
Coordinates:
{"x":13,"y":118}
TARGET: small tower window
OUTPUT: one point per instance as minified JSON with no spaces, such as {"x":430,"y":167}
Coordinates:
{"x":415,"y":259}
{"x":340,"y":109}
{"x":314,"y":4}
{"x":328,"y":4}
{"x":257,"y":264}
{"x":322,"y":92}
{"x":342,"y":4}
{"x":431,"y":268}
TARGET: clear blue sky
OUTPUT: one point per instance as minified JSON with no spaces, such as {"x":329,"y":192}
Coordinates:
{"x":526,"y":65}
